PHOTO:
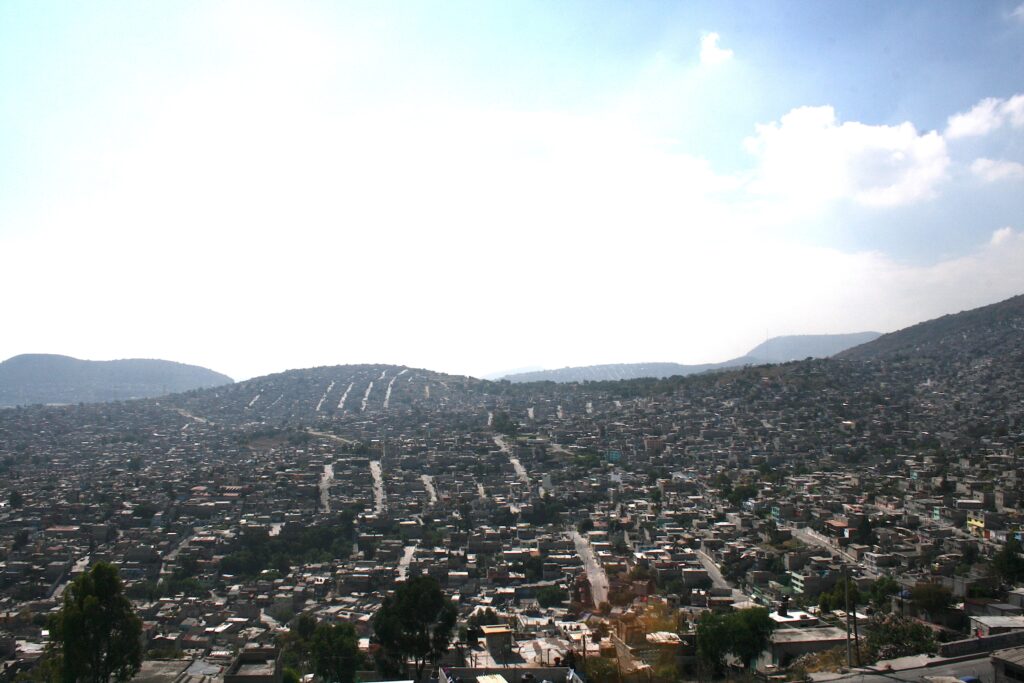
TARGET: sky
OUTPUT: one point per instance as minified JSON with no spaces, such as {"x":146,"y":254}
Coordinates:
{"x":472,"y":187}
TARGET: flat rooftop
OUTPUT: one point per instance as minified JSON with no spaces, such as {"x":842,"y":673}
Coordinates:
{"x":255,"y":669}
{"x":808,"y":635}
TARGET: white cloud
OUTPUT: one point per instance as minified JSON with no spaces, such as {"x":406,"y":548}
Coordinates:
{"x":1013,"y":110}
{"x":710,"y":52}
{"x":1018,"y":12}
{"x":1001,"y":236}
{"x":808,"y":154}
{"x":987,"y":116}
{"x":394,"y":233}
{"x":994,"y":170}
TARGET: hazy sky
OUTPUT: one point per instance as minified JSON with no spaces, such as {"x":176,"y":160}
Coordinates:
{"x":471,"y":187}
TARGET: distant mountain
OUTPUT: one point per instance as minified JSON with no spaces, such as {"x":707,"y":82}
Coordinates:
{"x":992,"y":331}
{"x":775,"y":350}
{"x":513,"y":371}
{"x":48,"y":378}
{"x":617,"y":371}
{"x":800,"y":346}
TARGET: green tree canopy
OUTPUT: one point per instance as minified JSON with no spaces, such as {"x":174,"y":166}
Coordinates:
{"x":752,"y":629}
{"x":96,"y":632}
{"x":743,"y":634}
{"x":484,"y":617}
{"x":931,"y":597}
{"x":334,"y":651}
{"x":741,"y":493}
{"x":882,"y":589}
{"x":415,"y":623}
{"x":305,"y":625}
{"x":1008,"y":563}
{"x":837,"y":598}
{"x":549,"y":596}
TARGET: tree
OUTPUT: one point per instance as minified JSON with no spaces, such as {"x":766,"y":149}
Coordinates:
{"x":743,"y":634}
{"x":16,"y":499}
{"x":549,"y":596}
{"x":713,"y":641}
{"x":752,"y":629}
{"x":21,"y":537}
{"x":933,"y":598}
{"x":741,"y":493}
{"x":837,"y":597}
{"x":297,"y":641}
{"x":415,"y":623}
{"x":1008,"y":563}
{"x":334,"y":650}
{"x":504,"y":424}
{"x":305,"y":625}
{"x":882,"y":589}
{"x":485,"y":617}
{"x":96,"y":632}
{"x":864,"y":532}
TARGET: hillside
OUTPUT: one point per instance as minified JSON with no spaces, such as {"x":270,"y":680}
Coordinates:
{"x":47,"y":378}
{"x":801,"y":346}
{"x":352,"y":392}
{"x":990,"y":330}
{"x":775,"y":350}
{"x":968,"y":389}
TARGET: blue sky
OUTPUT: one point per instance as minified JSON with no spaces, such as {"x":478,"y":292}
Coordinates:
{"x":472,"y":186}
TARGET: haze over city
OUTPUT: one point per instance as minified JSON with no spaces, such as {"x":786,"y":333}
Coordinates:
{"x":473,"y":187}
{"x":511,"y":342}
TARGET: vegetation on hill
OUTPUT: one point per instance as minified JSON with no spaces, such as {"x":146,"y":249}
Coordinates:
{"x":975,"y":332}
{"x":44,"y":378}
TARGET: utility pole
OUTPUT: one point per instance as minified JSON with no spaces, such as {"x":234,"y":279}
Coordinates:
{"x":846,"y":585}
{"x":856,"y":635}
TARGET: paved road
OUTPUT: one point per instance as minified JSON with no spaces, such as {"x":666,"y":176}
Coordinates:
{"x":810,"y":538}
{"x":499,"y":440}
{"x":717,"y":580}
{"x":328,"y":435}
{"x":326,"y":479}
{"x":403,"y":564}
{"x":378,"y":486}
{"x":595,"y":572}
{"x":428,"y":482}
{"x":185,"y":413}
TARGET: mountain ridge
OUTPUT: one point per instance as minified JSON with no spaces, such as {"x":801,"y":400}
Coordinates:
{"x":975,"y":330}
{"x":33,"y":378}
{"x":775,"y":350}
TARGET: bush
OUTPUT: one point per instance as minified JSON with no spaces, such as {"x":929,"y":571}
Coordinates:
{"x":892,"y":636}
